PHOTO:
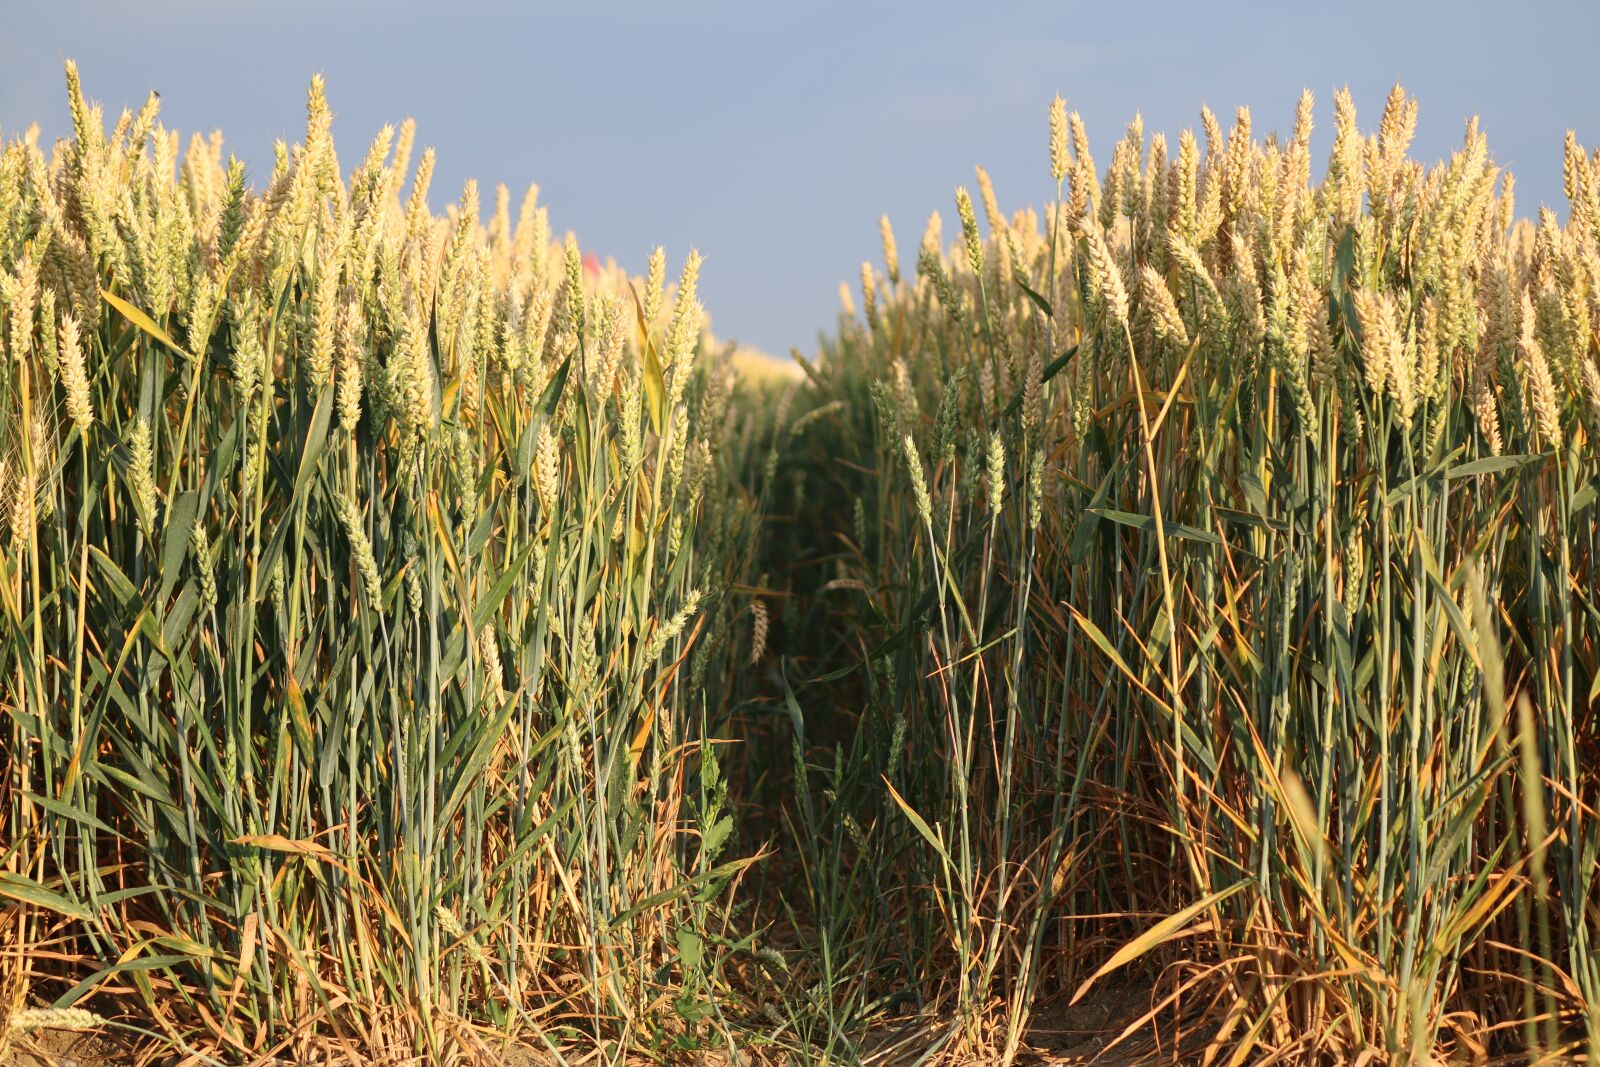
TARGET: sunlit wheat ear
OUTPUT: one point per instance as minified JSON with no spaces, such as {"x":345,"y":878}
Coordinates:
{"x":932,"y":236}
{"x":1237,"y":160}
{"x":577,"y":305}
{"x":1131,"y":183}
{"x":1060,"y":152}
{"x":1112,"y":194}
{"x":655,"y":279}
{"x":49,"y":343}
{"x":1346,"y":179}
{"x":1486,"y":411}
{"x":950,"y":298}
{"x":947,"y":421}
{"x":969,"y":231}
{"x":547,"y":469}
{"x":1036,"y":464}
{"x":1429,"y":380}
{"x":994,"y":473}
{"x":919,"y":483}
{"x":205,"y":563}
{"x":1575,"y":177}
{"x":361,"y":550}
{"x":324,"y":326}
{"x":1104,"y":272}
{"x":760,"y":622}
{"x":612,"y":336}
{"x":33,"y":1020}
{"x":684,"y":329}
{"x":1033,"y":388}
{"x":352,"y":354}
{"x":1304,"y":119}
{"x":451,"y":925}
{"x":891,"y":255}
{"x":1165,"y":315}
{"x":1380,"y":338}
{"x":1085,"y":180}
{"x":669,"y":631}
{"x":141,"y":470}
{"x":991,"y":206}
{"x":22,"y":292}
{"x":1541,"y":384}
{"x":75,"y":378}
{"x":869,"y":294}
{"x":20,"y":514}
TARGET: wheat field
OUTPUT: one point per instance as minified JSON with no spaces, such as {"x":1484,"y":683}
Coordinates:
{"x":422,"y":643}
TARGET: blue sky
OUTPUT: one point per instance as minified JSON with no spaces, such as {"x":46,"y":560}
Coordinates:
{"x":773,"y":135}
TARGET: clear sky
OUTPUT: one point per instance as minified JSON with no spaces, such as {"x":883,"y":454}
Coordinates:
{"x":772,"y":135}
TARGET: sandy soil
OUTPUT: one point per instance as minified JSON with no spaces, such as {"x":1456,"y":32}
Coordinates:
{"x":63,"y":1048}
{"x":1062,"y":1036}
